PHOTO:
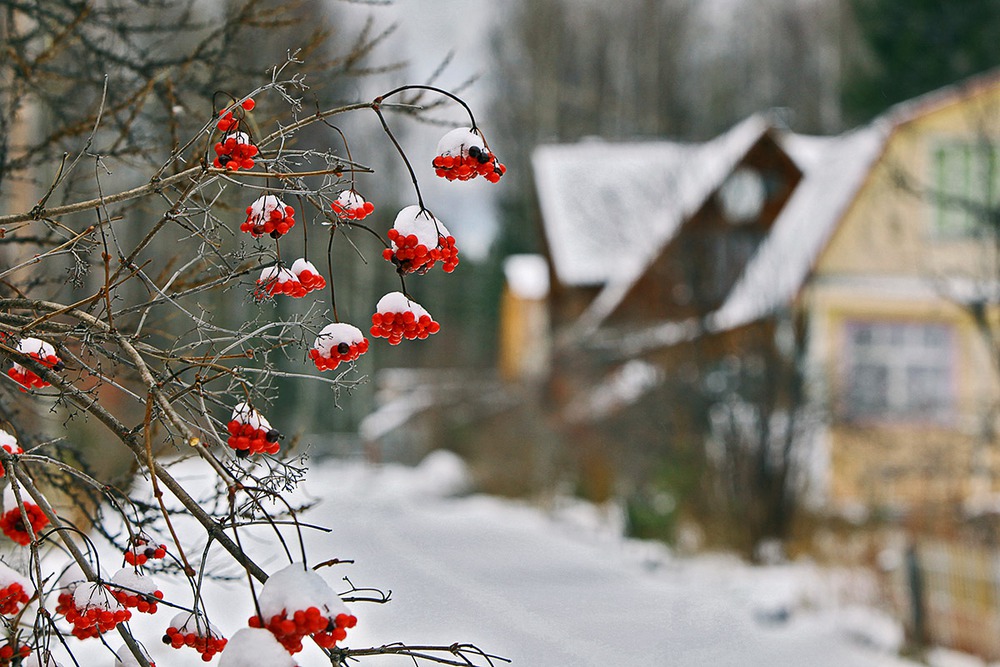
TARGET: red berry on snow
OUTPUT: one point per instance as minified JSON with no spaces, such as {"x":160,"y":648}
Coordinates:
{"x":9,"y":443}
{"x":235,"y":151}
{"x":277,"y":280}
{"x":187,"y":629}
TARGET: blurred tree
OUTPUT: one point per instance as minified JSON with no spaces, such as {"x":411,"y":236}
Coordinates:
{"x":914,"y":46}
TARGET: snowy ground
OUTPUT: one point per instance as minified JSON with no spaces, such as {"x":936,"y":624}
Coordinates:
{"x":546,"y":589}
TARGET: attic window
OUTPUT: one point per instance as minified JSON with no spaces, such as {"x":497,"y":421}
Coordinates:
{"x":965,"y":187}
{"x":742,"y":196}
{"x":899,"y":371}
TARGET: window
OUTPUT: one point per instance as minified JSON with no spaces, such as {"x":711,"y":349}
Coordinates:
{"x":965,"y":186}
{"x":899,"y":371}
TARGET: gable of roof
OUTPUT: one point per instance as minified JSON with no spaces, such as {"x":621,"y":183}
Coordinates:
{"x":608,"y":208}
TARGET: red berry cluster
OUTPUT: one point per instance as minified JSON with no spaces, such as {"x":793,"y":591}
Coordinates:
{"x":397,"y":317}
{"x":141,"y":602}
{"x":250,"y":433}
{"x":411,"y":256}
{"x":228,"y":123}
{"x":234,"y":152}
{"x":12,"y":596}
{"x":308,"y":275}
{"x":352,"y":206}
{"x":40,"y":351}
{"x":142,"y":551}
{"x":89,"y":620}
{"x":276,"y":280}
{"x":268,"y":215}
{"x":336,"y":343}
{"x":290,"y":631}
{"x":9,"y":443}
{"x":203,"y":639}
{"x":12,"y":523}
{"x":462,"y":154}
{"x":8,"y":653}
{"x":477,"y":162}
{"x":246,"y":438}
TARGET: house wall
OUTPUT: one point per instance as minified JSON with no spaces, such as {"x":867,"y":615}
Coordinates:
{"x":888,"y":262}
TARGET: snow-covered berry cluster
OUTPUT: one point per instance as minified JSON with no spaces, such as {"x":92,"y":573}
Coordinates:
{"x":250,"y":432}
{"x":13,"y":591}
{"x":40,"y":351}
{"x":268,"y":215}
{"x":187,"y":629}
{"x":419,"y":241}
{"x":142,"y":550}
{"x":9,"y":443}
{"x":296,"y":282}
{"x":352,"y":206}
{"x":308,"y":275}
{"x":234,"y":151}
{"x":91,"y":609}
{"x":12,"y":522}
{"x":462,"y":155}
{"x":336,"y":343}
{"x":135,"y":591}
{"x":397,"y":317}
{"x":296,"y":603}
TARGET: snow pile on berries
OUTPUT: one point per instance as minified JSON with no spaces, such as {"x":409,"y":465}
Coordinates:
{"x":419,"y":241}
{"x":40,"y":351}
{"x":268,"y":215}
{"x":337,"y":342}
{"x":397,"y":317}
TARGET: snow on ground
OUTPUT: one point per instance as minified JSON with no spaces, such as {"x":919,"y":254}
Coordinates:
{"x":543,"y":588}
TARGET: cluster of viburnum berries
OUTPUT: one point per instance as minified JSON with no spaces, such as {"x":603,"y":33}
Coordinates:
{"x":417,"y":242}
{"x":295,"y":602}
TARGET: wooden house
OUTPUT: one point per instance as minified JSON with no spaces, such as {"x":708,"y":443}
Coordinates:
{"x":868,"y":259}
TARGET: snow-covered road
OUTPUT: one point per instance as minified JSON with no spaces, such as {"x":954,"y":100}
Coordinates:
{"x":554,"y":588}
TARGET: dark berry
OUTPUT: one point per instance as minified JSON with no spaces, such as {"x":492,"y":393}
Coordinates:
{"x":242,"y":453}
{"x":475,"y":151}
{"x":343,"y":348}
{"x":272,"y":435}
{"x":483,"y":157}
{"x":166,"y":639}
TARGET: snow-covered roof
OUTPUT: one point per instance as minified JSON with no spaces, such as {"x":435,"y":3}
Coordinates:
{"x":608,"y":208}
{"x":781,"y":265}
{"x":527,"y":276}
{"x":833,"y":171}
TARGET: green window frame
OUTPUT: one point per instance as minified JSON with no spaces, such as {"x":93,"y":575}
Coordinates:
{"x":965,"y":187}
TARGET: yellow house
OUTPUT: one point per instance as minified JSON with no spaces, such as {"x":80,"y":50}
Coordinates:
{"x":884,"y":259}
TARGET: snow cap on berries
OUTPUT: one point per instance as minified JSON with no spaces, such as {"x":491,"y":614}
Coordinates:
{"x":268,"y":215}
{"x":397,"y":317}
{"x":349,"y":204}
{"x":462,"y":155}
{"x":187,"y":629}
{"x":419,"y":240}
{"x":95,"y":596}
{"x":39,"y":350}
{"x":307,"y":274}
{"x":135,"y":590}
{"x":278,"y":280}
{"x":251,"y":647}
{"x":9,"y":443}
{"x":234,"y":151}
{"x":335,"y":343}
{"x":245,"y":414}
{"x":296,"y":587}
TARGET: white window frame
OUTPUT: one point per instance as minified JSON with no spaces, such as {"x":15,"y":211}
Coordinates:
{"x":913,"y":360}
